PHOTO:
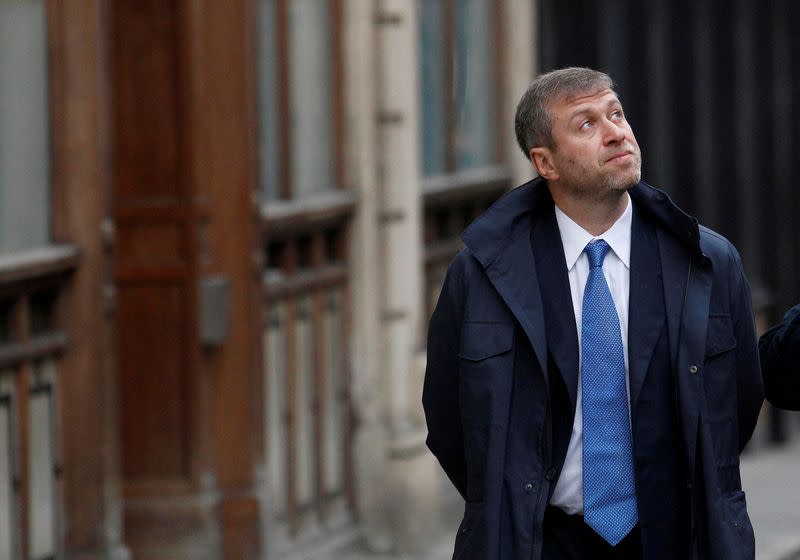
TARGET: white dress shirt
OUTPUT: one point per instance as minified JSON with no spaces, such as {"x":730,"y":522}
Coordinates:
{"x":568,"y":494}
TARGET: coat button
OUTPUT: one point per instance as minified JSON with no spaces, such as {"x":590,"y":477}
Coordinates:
{"x":550,"y":474}
{"x":529,"y":487}
{"x":692,"y":369}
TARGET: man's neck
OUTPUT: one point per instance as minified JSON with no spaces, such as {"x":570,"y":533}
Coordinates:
{"x":595,"y":216}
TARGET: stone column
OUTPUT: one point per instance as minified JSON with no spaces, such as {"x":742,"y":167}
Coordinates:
{"x":370,"y":442}
{"x":521,"y":66}
{"x":412,"y":483}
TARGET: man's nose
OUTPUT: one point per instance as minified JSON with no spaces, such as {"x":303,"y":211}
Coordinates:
{"x":613,"y":133}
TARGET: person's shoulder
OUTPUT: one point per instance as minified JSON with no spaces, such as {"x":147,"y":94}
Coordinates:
{"x":713,"y":240}
{"x":717,"y":247}
{"x":463,"y":265}
{"x":791,"y":322}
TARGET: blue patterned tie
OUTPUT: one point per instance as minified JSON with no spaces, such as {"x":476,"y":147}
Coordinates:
{"x":609,"y":491}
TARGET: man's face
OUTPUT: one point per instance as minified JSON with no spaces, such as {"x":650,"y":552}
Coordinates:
{"x":594,"y":150}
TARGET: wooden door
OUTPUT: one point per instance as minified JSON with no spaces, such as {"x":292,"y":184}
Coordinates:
{"x":183,"y":209}
{"x":156,"y":268}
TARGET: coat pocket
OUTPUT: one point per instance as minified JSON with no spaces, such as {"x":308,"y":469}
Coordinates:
{"x":486,"y":365}
{"x":484,"y":340}
{"x":720,"y":338}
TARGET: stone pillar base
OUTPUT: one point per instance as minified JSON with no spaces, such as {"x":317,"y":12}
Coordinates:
{"x":413,"y":496}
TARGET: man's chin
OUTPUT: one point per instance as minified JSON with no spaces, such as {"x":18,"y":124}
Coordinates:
{"x":624,"y":184}
{"x":621,"y":186}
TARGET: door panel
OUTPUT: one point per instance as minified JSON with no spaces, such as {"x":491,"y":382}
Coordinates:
{"x":155,"y":267}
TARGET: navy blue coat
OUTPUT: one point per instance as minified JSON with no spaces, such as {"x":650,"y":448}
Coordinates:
{"x":780,"y":361}
{"x":488,"y":332}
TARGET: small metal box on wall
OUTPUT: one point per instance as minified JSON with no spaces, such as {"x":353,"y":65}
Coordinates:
{"x":214,"y":310}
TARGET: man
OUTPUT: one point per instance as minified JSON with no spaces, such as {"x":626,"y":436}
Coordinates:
{"x":780,"y":361}
{"x":592,"y":368}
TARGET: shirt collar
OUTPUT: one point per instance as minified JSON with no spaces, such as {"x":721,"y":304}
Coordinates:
{"x":574,"y":238}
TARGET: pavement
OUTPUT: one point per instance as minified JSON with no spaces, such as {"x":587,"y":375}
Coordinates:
{"x":771,"y":480}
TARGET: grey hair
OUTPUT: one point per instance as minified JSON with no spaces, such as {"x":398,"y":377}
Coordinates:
{"x":533,"y":123}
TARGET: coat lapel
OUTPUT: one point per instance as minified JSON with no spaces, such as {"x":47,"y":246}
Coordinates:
{"x":562,"y":334}
{"x":646,"y":303}
{"x":500,"y":241}
{"x":513,"y":273}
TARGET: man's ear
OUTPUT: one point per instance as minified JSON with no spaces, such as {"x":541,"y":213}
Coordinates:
{"x":542,"y":160}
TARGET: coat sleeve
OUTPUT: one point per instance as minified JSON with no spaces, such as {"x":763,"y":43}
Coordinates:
{"x":750,"y":390}
{"x":440,"y":390}
{"x":780,"y":358}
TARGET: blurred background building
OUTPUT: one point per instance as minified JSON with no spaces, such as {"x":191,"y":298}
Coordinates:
{"x":223,"y":226}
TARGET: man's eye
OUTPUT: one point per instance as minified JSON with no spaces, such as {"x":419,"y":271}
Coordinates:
{"x":616,"y":115}
{"x":586,"y":125}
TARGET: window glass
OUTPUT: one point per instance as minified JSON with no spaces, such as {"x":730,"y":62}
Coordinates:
{"x":275,"y":387}
{"x":7,"y":494}
{"x":310,"y":162}
{"x":268,"y":90}
{"x":24,"y":126}
{"x":304,"y":403}
{"x":310,"y":96}
{"x":473,"y":79}
{"x":431,"y":56}
{"x":41,"y":480}
{"x":471,"y":97}
{"x":335,"y":411}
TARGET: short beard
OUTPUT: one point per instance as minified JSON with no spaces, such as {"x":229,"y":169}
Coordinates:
{"x":583,"y":183}
{"x":609,"y":185}
{"x":622,"y":184}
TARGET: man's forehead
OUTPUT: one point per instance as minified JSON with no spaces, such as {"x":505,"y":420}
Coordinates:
{"x":602,"y":95}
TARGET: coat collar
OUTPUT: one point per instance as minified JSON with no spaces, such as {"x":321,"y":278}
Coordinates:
{"x":491,"y":233}
{"x":500,"y":241}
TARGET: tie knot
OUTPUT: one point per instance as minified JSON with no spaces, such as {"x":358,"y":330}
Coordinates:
{"x":596,"y":251}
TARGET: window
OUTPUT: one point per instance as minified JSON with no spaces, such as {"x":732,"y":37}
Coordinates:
{"x":308,"y":411}
{"x":306,"y":213}
{"x":32,"y":274}
{"x":24,"y":127}
{"x":460,"y":57}
{"x":30,"y":345}
{"x":299,"y":98}
{"x":458,"y":88}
